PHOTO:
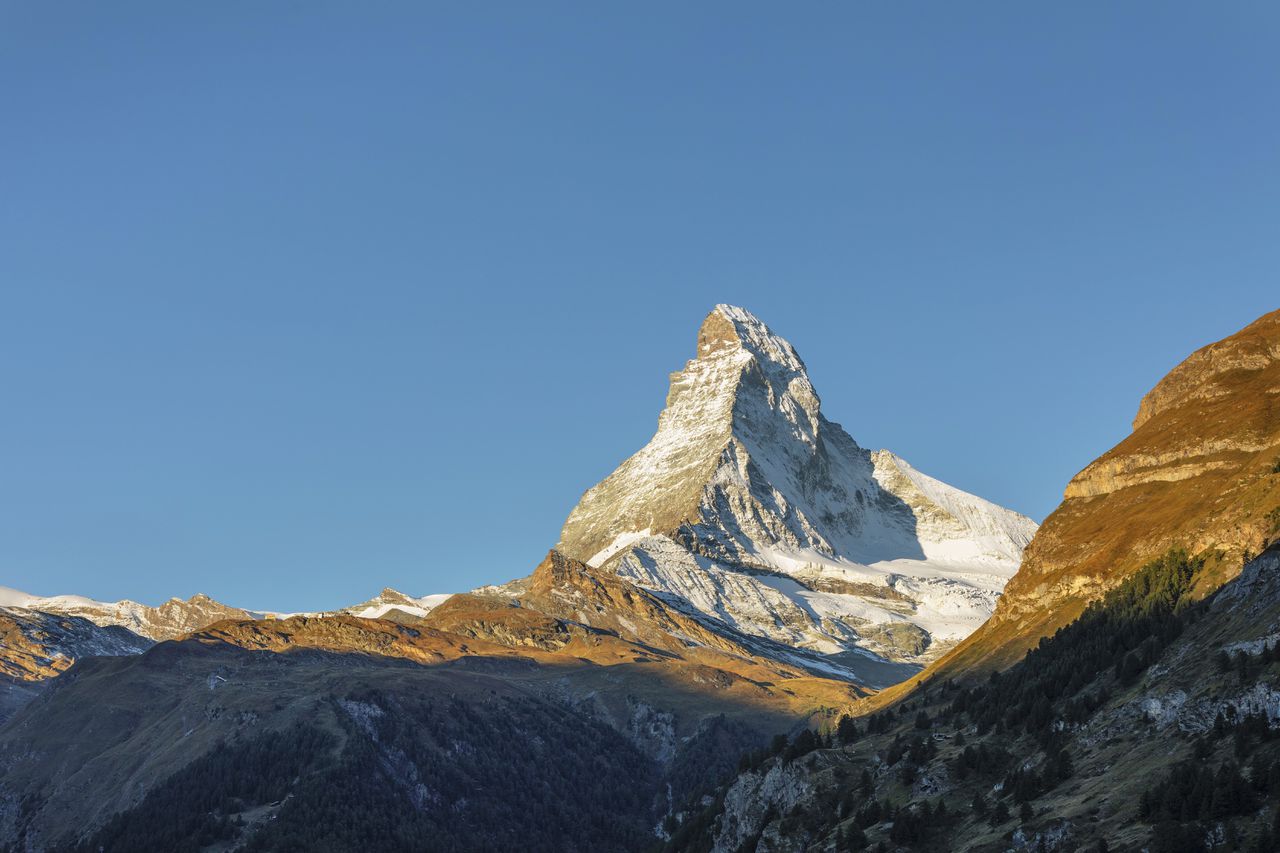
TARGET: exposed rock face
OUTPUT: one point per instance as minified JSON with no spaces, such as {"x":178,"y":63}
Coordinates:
{"x":756,"y":798}
{"x":177,"y":617}
{"x":1198,"y":472}
{"x":753,"y":509}
{"x":347,"y":635}
{"x":172,"y":619}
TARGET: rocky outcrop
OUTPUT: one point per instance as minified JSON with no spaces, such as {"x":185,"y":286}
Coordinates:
{"x":347,"y":635}
{"x":565,"y":598}
{"x":1207,"y":374}
{"x":177,"y":617}
{"x":757,"y":798}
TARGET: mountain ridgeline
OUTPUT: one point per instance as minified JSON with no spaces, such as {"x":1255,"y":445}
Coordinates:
{"x":754,"y":635}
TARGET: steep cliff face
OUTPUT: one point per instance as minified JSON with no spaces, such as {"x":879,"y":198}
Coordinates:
{"x":754,"y":510}
{"x":1199,"y":471}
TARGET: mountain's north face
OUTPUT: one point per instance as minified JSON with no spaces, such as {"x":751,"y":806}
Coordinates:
{"x":755,"y":510}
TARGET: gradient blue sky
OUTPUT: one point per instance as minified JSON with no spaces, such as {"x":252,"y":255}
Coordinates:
{"x":298,"y":300}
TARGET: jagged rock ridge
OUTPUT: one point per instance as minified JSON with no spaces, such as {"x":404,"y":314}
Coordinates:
{"x":755,"y":510}
{"x":396,"y":605}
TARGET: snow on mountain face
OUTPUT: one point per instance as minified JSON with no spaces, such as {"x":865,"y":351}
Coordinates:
{"x":755,"y":510}
{"x":391,"y":603}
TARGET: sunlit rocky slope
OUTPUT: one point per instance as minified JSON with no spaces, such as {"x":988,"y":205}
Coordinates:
{"x":1197,"y":472}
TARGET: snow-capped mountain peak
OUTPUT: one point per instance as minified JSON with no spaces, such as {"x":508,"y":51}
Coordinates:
{"x":171,"y":619}
{"x":747,"y":474}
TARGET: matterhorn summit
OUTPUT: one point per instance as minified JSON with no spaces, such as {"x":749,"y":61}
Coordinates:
{"x":752,"y":510}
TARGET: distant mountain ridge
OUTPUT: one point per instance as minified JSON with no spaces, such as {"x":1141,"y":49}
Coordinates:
{"x":41,"y":636}
{"x":752,"y":511}
{"x":393,"y":604}
{"x":173,"y":618}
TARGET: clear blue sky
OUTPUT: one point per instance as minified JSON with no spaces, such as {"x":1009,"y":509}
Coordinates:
{"x":301,"y":299}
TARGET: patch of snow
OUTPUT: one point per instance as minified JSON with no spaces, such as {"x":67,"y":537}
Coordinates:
{"x":622,"y":541}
